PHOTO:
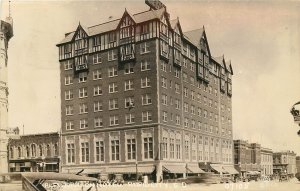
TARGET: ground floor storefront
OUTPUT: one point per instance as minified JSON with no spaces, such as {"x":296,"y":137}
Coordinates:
{"x":34,"y":165}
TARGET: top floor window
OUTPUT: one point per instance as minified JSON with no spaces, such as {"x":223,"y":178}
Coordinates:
{"x":144,"y":47}
{"x":112,"y":55}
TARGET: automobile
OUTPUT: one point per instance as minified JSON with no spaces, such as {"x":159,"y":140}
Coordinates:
{"x":283,"y":177}
{"x":104,"y":179}
{"x":297,"y":175}
{"x":43,"y":181}
{"x":226,"y":178}
{"x":118,"y":179}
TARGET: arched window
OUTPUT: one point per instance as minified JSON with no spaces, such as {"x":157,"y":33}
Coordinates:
{"x":56,"y":149}
{"x":48,"y":150}
{"x":11,"y":150}
{"x":41,"y":150}
{"x":33,"y":150}
{"x":19,"y":152}
{"x":27,"y":151}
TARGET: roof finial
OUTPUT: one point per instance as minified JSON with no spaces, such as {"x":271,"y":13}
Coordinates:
{"x":9,"y":11}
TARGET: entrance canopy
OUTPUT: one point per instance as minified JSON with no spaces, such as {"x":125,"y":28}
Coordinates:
{"x":130,"y":169}
{"x":176,"y":169}
{"x":230,"y":170}
{"x":194,"y":168}
{"x":218,"y":168}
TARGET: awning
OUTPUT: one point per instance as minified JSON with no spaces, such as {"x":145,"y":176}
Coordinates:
{"x":218,"y":168}
{"x":176,"y":169}
{"x":253,"y":172}
{"x":12,"y":165}
{"x":230,"y":170}
{"x":194,"y":168}
{"x":86,"y":170}
{"x":132,"y":169}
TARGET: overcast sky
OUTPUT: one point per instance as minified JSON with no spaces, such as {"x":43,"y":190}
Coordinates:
{"x":262,"y":39}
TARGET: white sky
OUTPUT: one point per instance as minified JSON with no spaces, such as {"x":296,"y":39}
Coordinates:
{"x":262,"y":39}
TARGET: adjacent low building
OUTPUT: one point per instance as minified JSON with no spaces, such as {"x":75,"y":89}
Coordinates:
{"x":33,"y":153}
{"x":284,"y":162}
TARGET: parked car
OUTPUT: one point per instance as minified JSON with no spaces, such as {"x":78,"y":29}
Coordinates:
{"x":283,"y":177}
{"x":297,"y":175}
{"x":118,"y":179}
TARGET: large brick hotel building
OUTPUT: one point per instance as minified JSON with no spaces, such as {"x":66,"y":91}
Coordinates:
{"x":140,"y":95}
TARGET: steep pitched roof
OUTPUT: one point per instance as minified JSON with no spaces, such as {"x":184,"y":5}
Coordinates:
{"x":194,"y":37}
{"x":219,"y":59}
{"x":228,"y":66}
{"x":174,"y":23}
{"x":112,"y":25}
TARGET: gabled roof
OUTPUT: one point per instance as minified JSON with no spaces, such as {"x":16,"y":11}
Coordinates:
{"x":194,"y":37}
{"x":228,"y":66}
{"x":112,"y":25}
{"x":126,"y":13}
{"x":175,"y":23}
{"x":148,"y":15}
{"x":219,"y":59}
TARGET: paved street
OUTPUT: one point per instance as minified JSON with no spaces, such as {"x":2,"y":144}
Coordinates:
{"x":292,"y":185}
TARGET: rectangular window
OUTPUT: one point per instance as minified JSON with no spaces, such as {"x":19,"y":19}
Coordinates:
{"x":177,"y":88}
{"x":186,"y":107}
{"x":187,"y":149}
{"x":145,"y":65}
{"x":186,"y":122}
{"x":165,"y":116}
{"x":113,"y":104}
{"x":177,"y":73}
{"x":185,"y":92}
{"x":114,"y":120}
{"x":68,"y":80}
{"x":98,"y":122}
{"x":83,"y":123}
{"x":177,"y":120}
{"x":145,"y":82}
{"x":97,"y":90}
{"x":68,"y":65}
{"x":69,"y":110}
{"x":165,"y":147}
{"x":163,"y":66}
{"x":71,"y":152}
{"x":82,"y":77}
{"x":164,"y":82}
{"x":172,"y":148}
{"x":146,"y":116}
{"x":164,"y":99}
{"x":129,"y":68}
{"x":97,"y":74}
{"x":145,"y":47}
{"x":99,"y":151}
{"x":129,"y":118}
{"x":178,"y":149}
{"x":85,"y":152}
{"x":83,"y":92}
{"x":177,"y":104}
{"x":131,"y":149}
{"x":115,"y":150}
{"x":113,"y":88}
{"x":148,"y":148}
{"x":98,"y":106}
{"x":97,"y":59}
{"x":112,"y":55}
{"x":146,"y":99}
{"x":69,"y":95}
{"x":112,"y":72}
{"x":128,"y":85}
{"x":69,"y":125}
{"x":83,"y":108}
{"x":129,"y":102}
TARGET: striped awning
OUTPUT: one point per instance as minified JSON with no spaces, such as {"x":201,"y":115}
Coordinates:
{"x":131,"y":169}
{"x":176,"y":169}
{"x":218,"y":168}
{"x":230,"y":170}
{"x":194,"y":168}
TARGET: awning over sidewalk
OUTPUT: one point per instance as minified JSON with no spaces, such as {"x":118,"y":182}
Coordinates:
{"x":230,"y":170}
{"x":130,"y":169}
{"x":218,"y":168}
{"x":177,"y":169}
{"x":194,"y":168}
{"x":86,"y":170}
{"x":253,"y":172}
